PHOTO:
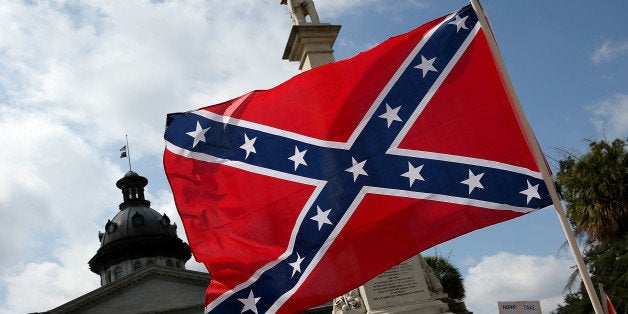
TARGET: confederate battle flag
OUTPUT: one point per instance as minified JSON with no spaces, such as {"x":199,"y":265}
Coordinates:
{"x":294,"y":195}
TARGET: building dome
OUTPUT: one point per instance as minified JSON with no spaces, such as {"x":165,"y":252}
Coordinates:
{"x":137,"y":236}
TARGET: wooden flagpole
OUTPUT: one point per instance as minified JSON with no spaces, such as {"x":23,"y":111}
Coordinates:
{"x":538,"y":156}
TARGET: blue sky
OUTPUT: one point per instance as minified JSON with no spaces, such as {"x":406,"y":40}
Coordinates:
{"x":76,"y":76}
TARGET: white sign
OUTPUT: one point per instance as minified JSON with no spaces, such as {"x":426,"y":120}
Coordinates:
{"x":519,"y":307}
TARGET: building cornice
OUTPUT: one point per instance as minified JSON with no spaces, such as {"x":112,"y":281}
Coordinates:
{"x":96,"y":296}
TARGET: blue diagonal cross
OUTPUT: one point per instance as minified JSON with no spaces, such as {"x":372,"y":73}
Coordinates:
{"x":347,"y":170}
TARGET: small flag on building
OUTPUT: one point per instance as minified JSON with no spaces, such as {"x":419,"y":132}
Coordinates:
{"x":610,"y":309}
{"x":123,"y":152}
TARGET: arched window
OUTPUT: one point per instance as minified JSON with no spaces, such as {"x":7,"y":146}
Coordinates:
{"x":137,"y":266}
{"x":117,"y":273}
{"x":169,"y":263}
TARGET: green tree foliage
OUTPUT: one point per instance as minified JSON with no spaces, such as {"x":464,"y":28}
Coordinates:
{"x":449,"y":276}
{"x":575,"y":303}
{"x":608,"y":264}
{"x":595,"y":189}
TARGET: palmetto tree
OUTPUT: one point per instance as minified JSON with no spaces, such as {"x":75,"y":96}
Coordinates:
{"x":595,"y":189}
{"x":448,"y":275}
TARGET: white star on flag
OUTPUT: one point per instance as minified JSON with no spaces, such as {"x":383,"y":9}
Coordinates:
{"x":473,"y":181}
{"x":531,"y":192}
{"x":426,"y":65}
{"x":391,"y":114}
{"x":248,"y":145}
{"x":198,"y":134}
{"x":250,"y":303}
{"x":459,"y":22}
{"x":322,"y":217}
{"x":413,"y":173}
{"x":296,"y":265}
{"x":298,"y":158}
{"x":357,"y":169}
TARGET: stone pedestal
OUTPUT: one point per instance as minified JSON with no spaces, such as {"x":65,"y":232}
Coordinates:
{"x":311,"y":45}
{"x":401,"y":289}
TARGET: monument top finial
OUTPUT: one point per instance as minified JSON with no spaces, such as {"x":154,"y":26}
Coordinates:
{"x":299,"y":9}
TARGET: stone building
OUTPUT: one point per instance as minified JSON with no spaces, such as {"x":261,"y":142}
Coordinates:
{"x":141,"y":263}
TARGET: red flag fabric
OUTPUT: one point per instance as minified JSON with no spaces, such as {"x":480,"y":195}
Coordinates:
{"x":294,"y":195}
{"x":610,"y":309}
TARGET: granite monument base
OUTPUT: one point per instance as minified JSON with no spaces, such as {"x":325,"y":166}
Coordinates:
{"x":401,"y":289}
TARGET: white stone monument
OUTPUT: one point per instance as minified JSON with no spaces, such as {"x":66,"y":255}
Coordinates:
{"x":299,"y":9}
{"x":401,"y":289}
{"x":309,"y":43}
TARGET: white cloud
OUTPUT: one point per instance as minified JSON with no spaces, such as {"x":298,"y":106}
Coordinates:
{"x":126,"y":60}
{"x":42,"y":179}
{"x":510,"y":277}
{"x":610,"y":116}
{"x":55,"y":190}
{"x":609,"y":50}
{"x":46,"y":285}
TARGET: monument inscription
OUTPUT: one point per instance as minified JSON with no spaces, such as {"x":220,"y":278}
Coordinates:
{"x":402,"y":284}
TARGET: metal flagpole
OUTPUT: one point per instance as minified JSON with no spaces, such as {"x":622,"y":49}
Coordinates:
{"x":539,"y":158}
{"x":128,"y":151}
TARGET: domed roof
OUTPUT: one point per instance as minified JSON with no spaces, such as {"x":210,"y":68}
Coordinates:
{"x":135,"y":221}
{"x":137,"y":230}
{"x":132,"y":173}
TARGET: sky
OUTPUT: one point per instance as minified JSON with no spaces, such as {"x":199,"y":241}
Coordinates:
{"x":77,"y":76}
